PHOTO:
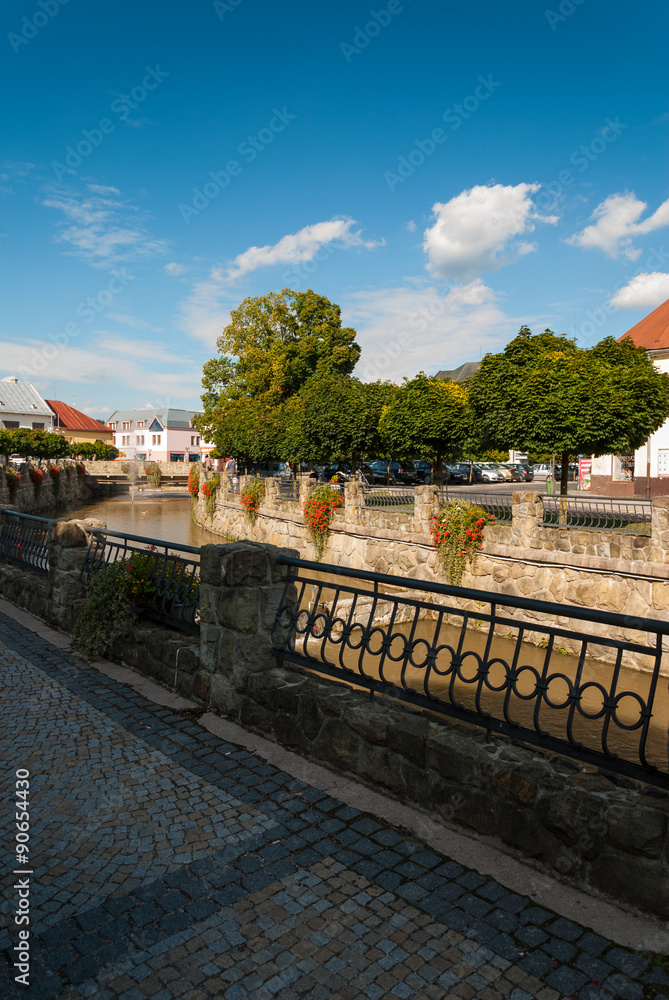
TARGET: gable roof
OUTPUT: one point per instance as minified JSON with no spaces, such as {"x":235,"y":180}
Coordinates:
{"x":168,"y":416}
{"x":462,"y":373}
{"x":21,"y":397}
{"x":652,"y":332}
{"x":73,"y":420}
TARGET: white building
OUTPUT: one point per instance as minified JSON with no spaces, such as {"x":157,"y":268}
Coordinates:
{"x":156,"y":435}
{"x":22,"y":406}
{"x":644,"y":473}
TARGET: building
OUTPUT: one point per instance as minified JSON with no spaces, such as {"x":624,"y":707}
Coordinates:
{"x":22,"y":406}
{"x":462,"y":373}
{"x":156,"y":435}
{"x":644,"y":473}
{"x":76,"y":426}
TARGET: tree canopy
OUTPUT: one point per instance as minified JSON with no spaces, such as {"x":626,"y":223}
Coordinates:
{"x":273,"y":345}
{"x":104,"y":452}
{"x":427,"y":418}
{"x":38,"y":444}
{"x":545,"y":394}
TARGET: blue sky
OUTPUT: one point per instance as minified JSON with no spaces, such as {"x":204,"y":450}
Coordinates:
{"x":444,"y":172}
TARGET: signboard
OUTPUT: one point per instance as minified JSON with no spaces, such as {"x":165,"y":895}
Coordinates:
{"x":584,"y":473}
{"x":663,"y":462}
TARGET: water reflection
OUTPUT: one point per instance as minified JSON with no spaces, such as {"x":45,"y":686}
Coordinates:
{"x":162,"y":516}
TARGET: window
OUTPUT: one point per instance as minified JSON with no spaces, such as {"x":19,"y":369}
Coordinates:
{"x":195,"y":440}
{"x":126,"y":425}
{"x":111,"y":425}
{"x":10,"y":425}
{"x":176,"y":456}
{"x":140,"y":423}
{"x":156,"y":426}
{"x":140,"y":439}
{"x":38,"y":427}
{"x":623,"y":469}
{"x":156,"y":439}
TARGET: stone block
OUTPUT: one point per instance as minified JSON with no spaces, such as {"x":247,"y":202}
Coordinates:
{"x":210,"y":564}
{"x":370,"y":720}
{"x":223,"y":697}
{"x":643,"y":882}
{"x":69,"y":534}
{"x":380,"y":766}
{"x":637,"y":829}
{"x":201,"y":686}
{"x":256,"y":716}
{"x":455,"y":756}
{"x":210,"y":637}
{"x":407,"y":735}
{"x":244,"y":564}
{"x":239,"y":609}
{"x":337,"y":744}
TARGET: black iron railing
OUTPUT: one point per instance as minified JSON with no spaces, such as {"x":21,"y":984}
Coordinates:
{"x":388,"y":496}
{"x":500,"y":505}
{"x":24,"y":541}
{"x":287,"y":489}
{"x":631,"y":517}
{"x":167,"y":579}
{"x":574,"y":681}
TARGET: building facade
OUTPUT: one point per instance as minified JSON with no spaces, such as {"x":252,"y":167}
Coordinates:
{"x":645,"y":472}
{"x":22,"y":406}
{"x":156,"y":435}
{"x":76,"y":426}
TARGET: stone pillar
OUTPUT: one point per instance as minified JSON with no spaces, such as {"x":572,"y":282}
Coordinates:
{"x":271,"y":485}
{"x":68,"y":547}
{"x":354,"y":506}
{"x":241,"y":586}
{"x":527,"y":514}
{"x":426,"y":506}
{"x":659,"y":547}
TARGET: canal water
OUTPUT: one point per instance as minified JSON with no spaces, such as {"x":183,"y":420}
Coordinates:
{"x":168,"y":518}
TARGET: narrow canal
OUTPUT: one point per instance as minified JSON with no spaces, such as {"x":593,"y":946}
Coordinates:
{"x":163,"y":516}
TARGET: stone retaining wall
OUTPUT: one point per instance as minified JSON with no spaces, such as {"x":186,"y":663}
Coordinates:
{"x":28,"y":500}
{"x":604,"y":570}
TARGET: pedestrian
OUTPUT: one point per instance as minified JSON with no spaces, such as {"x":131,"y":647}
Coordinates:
{"x":231,"y":466}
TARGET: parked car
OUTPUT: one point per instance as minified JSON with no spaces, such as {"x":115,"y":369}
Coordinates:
{"x":525,"y":471}
{"x":489,"y":473}
{"x":401,"y":473}
{"x":542,"y":471}
{"x":423,"y":471}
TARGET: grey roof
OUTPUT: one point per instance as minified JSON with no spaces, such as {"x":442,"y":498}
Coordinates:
{"x":167,"y":416}
{"x":462,"y":373}
{"x":22,"y":397}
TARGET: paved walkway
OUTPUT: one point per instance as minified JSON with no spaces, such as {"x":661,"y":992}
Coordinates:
{"x":170,"y":863}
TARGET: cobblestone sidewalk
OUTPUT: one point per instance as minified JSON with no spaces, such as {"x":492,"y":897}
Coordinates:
{"x":171,"y":864}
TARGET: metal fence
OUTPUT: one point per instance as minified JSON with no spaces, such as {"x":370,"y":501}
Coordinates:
{"x":167,"y":585}
{"x":631,"y":517}
{"x":388,"y":496}
{"x":554,"y":681}
{"x":24,"y":541}
{"x":287,"y":489}
{"x":500,"y":505}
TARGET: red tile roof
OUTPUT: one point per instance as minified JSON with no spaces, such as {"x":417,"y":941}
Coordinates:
{"x":74,"y":420}
{"x":653,"y":331}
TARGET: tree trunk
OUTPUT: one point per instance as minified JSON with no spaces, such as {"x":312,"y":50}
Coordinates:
{"x":440,"y":472}
{"x":564,"y":478}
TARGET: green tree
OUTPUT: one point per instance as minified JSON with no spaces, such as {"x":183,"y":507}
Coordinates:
{"x":427,"y":418}
{"x":103,"y":451}
{"x":545,"y":394}
{"x":273,"y":345}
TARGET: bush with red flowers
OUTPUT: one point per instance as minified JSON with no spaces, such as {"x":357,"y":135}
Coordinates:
{"x":54,"y":472}
{"x":457,"y":535}
{"x":209,"y":488}
{"x":36,"y":476}
{"x":81,"y":468}
{"x":319,"y":508}
{"x":193,"y":482}
{"x":252,"y":496}
{"x":12,"y":478}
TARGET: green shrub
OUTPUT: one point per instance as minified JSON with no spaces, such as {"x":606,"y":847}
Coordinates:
{"x":105,"y":612}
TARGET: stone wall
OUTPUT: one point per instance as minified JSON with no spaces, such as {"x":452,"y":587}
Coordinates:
{"x":71,"y":488}
{"x":167,"y":469}
{"x":604,"y":570}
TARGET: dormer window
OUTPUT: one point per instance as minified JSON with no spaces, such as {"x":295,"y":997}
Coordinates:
{"x":156,"y":426}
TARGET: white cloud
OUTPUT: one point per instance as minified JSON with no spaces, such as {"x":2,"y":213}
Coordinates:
{"x":39,"y":360}
{"x":616,"y":223}
{"x":136,"y":348}
{"x":406,"y":330}
{"x":410,"y":226}
{"x":644,"y":291}
{"x":478,"y":230}
{"x":203,"y":314}
{"x":127,"y":320}
{"x":295,"y":248}
{"x":101,"y":228}
{"x":174,"y":268}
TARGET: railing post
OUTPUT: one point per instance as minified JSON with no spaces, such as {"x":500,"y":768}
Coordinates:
{"x":68,"y":548}
{"x":354,"y":503}
{"x":659,"y":549}
{"x":271,"y":487}
{"x":241,"y":586}
{"x":527,"y":515}
{"x":425,"y":507}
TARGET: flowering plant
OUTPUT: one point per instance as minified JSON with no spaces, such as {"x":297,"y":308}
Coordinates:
{"x":12,"y":479}
{"x":252,"y":496}
{"x":81,"y":468}
{"x":319,"y":508}
{"x":457,"y":535}
{"x":193,"y":482}
{"x":209,"y":488}
{"x":54,"y":471}
{"x":36,"y":476}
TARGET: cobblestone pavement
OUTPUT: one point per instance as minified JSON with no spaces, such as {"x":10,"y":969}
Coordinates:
{"x":171,"y":864}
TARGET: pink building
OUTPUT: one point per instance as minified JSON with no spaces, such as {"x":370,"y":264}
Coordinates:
{"x":157,"y":435}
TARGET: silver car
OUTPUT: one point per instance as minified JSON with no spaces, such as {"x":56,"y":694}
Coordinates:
{"x":490,"y":473}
